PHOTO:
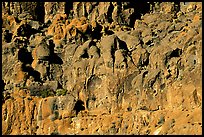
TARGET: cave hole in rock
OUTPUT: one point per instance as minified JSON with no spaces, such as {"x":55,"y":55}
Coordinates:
{"x":175,"y":53}
{"x":79,"y":106}
{"x":26,"y":31}
{"x":194,"y":61}
{"x":123,"y":45}
{"x":25,"y":56}
{"x":149,"y":43}
{"x":48,"y":41}
{"x":31,"y":72}
{"x":40,"y":12}
{"x":109,"y":13}
{"x":55,"y":59}
{"x":68,"y":7}
{"x":109,"y":32}
{"x":145,"y":74}
{"x":140,"y":8}
{"x":96,"y":32}
{"x":7,"y":36}
{"x":129,"y":109}
{"x":85,"y":55}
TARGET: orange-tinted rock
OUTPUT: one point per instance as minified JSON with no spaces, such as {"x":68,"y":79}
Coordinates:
{"x":90,"y":70}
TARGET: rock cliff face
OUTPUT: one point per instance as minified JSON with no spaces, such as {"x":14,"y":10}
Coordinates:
{"x":101,"y":68}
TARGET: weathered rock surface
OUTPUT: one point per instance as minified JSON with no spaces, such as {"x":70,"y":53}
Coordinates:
{"x":101,"y":68}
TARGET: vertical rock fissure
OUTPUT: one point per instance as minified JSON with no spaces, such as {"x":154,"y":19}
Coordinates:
{"x":109,"y":13}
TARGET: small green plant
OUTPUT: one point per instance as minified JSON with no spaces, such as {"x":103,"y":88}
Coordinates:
{"x":60,"y":92}
{"x":46,"y":93}
{"x":41,"y":91}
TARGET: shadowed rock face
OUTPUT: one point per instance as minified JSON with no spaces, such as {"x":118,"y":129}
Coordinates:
{"x":101,"y":68}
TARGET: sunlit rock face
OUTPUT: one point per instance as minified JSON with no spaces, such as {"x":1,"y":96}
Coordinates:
{"x":102,"y":68}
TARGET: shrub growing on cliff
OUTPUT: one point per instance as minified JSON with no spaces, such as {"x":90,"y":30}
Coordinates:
{"x":41,"y":91}
{"x":46,"y":93}
{"x":60,"y":92}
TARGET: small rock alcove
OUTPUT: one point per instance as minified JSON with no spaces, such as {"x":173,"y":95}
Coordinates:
{"x":79,"y":106}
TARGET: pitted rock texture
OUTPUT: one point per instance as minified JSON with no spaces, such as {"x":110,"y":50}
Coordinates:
{"x":101,"y":68}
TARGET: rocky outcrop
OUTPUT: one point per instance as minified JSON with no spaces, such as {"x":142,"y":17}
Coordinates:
{"x":101,"y":68}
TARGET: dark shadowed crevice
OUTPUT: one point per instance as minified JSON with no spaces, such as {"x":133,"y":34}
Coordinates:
{"x":85,"y":55}
{"x":96,"y":32}
{"x":175,"y":53}
{"x":7,"y":36}
{"x":177,"y":6}
{"x":140,"y":8}
{"x":68,"y":8}
{"x":123,"y":45}
{"x":109,"y":13}
{"x":31,"y":72}
{"x":113,"y":57}
{"x":40,"y":12}
{"x":79,"y":106}
{"x":2,"y":85}
{"x":25,"y":56}
{"x":55,"y":59}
